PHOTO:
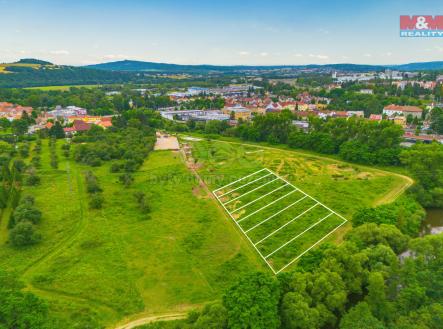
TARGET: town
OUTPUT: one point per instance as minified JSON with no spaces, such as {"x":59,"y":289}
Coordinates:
{"x":241,"y":102}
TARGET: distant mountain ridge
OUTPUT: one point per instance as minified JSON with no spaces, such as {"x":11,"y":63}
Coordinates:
{"x":141,"y":66}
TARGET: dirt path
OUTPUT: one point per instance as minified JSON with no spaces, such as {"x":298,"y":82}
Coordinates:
{"x":150,"y":319}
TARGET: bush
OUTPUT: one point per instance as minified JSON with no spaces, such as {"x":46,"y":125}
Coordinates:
{"x":115,"y":167}
{"x":23,"y":234}
{"x":96,"y":201}
{"x":92,"y":185}
{"x":126,"y":179}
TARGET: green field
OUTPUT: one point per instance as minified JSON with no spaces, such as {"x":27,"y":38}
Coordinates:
{"x":104,"y":265}
{"x":116,"y":264}
{"x":279,"y":219}
{"x":341,"y":186}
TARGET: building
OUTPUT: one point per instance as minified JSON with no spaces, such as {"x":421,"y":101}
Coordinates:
{"x":65,"y":112}
{"x":239,"y":112}
{"x":13,"y":111}
{"x":395,"y":110}
{"x":375,"y":117}
{"x":401,"y":121}
{"x":366,"y":91}
{"x":198,"y":115}
{"x":359,"y":114}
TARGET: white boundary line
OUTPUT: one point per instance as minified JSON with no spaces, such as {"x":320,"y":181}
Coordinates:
{"x":257,"y":188}
{"x":269,"y":204}
{"x":245,"y":185}
{"x":279,"y":212}
{"x":256,"y":249}
{"x":220,"y":188}
{"x":287,"y":223}
{"x":259,"y":198}
{"x":304,"y":252}
{"x":298,"y":235}
{"x":295,"y":189}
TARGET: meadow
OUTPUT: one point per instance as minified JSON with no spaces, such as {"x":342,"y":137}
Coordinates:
{"x":100,"y":266}
{"x":118,"y":263}
{"x":341,"y":186}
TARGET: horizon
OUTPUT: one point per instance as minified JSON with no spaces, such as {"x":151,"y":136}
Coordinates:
{"x":252,"y":33}
{"x":228,"y":65}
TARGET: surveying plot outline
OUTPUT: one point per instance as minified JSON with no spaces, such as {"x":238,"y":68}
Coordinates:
{"x":286,"y":183}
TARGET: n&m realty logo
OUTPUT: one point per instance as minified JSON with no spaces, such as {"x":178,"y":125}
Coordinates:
{"x":421,"y":26}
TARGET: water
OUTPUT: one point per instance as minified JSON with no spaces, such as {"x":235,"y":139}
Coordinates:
{"x":433,"y":223}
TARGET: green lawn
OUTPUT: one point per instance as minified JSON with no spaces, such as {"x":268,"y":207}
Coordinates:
{"x":100,"y":266}
{"x":343,"y":187}
{"x":103,"y":265}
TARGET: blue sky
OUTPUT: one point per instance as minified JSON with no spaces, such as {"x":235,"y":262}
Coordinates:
{"x":215,"y":32}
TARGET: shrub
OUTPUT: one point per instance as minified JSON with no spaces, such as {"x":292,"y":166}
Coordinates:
{"x":23,"y":234}
{"x":96,"y":201}
{"x":126,"y":179}
{"x":92,"y":185}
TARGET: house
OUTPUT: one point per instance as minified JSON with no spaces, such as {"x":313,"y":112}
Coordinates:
{"x":358,"y":114}
{"x":238,"y":111}
{"x":394,"y":110}
{"x":77,"y":126}
{"x":273,"y":107}
{"x":12,"y":111}
{"x":375,"y":117}
{"x":366,"y":91}
{"x":401,"y":121}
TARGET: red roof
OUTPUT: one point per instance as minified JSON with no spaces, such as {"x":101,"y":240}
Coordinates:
{"x":81,"y":125}
{"x":401,"y":108}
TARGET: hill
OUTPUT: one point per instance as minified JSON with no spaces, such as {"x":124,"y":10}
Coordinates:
{"x":141,"y":66}
{"x":129,"y":65}
{"x":34,"y":73}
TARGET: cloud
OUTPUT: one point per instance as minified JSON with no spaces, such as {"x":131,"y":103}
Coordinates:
{"x":60,"y":52}
{"x":244,"y":53}
{"x":367,"y":55}
{"x":323,"y":31}
{"x":319,"y":56}
{"x":264,"y":54}
{"x":115,"y":56}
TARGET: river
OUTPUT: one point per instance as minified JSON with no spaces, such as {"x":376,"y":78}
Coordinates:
{"x":433,"y":223}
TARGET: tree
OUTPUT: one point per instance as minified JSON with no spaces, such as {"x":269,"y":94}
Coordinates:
{"x":20,"y":309}
{"x":360,"y":317}
{"x":252,"y":302}
{"x":57,"y":131}
{"x":23,"y":234}
{"x":376,"y":297}
{"x":424,"y":161}
{"x":297,"y":313}
{"x":20,"y":127}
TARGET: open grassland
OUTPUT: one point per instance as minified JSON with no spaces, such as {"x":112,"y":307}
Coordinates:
{"x":341,"y":186}
{"x":99,"y":266}
{"x":4,"y":67}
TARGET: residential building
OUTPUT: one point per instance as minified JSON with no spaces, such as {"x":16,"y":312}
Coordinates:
{"x":395,"y":110}
{"x":239,"y":112}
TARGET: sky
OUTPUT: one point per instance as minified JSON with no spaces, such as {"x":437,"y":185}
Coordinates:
{"x":225,"y":32}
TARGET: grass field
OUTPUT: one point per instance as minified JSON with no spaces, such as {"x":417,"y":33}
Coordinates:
{"x":281,"y":221}
{"x":3,"y":67}
{"x":104,"y":265}
{"x":116,"y":264}
{"x":343,"y":187}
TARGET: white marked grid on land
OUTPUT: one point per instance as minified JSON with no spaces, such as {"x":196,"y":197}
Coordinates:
{"x":295,"y":189}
